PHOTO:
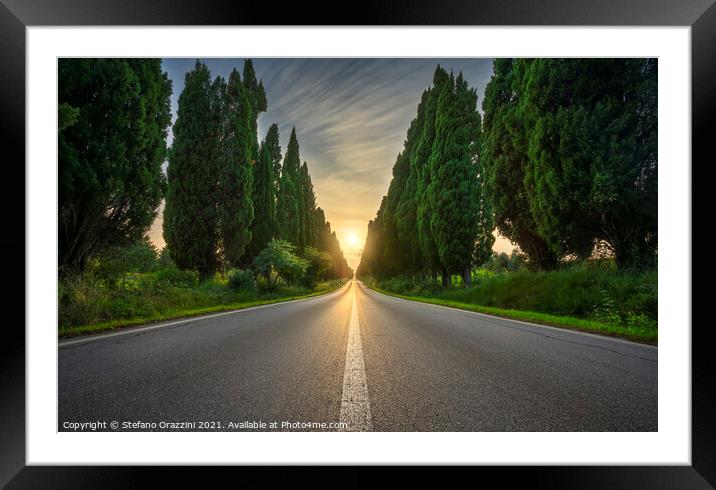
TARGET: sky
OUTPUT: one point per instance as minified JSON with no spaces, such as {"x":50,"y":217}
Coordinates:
{"x":351,"y":117}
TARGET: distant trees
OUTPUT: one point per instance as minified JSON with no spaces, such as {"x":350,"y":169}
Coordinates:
{"x":435,"y":218}
{"x":565,"y":158}
{"x":228,"y":197}
{"x":113,"y":116}
{"x":288,"y":205}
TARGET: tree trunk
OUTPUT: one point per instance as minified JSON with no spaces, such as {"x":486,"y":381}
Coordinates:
{"x":466,"y":277}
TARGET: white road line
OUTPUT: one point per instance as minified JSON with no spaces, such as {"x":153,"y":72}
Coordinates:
{"x":355,"y":407}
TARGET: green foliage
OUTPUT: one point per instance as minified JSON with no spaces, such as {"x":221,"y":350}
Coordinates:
{"x":241,"y":280}
{"x":319,"y":265}
{"x":140,"y":256}
{"x":113,"y":116}
{"x":406,"y":213}
{"x":263,"y":228}
{"x":274,"y":149}
{"x":235,"y":187}
{"x":584,"y":290}
{"x":164,"y":260}
{"x":177,"y":277}
{"x":191,"y":214}
{"x":256,"y":97}
{"x":592,"y":168}
{"x":564,"y":163}
{"x":66,"y":116}
{"x":504,"y":159}
{"x":298,"y":218}
{"x":88,"y":303}
{"x":435,"y":216}
{"x":457,"y":207}
{"x":279,"y":258}
{"x":288,"y":206}
{"x":501,"y":262}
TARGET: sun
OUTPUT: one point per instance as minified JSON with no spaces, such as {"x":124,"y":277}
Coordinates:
{"x":352,"y":240}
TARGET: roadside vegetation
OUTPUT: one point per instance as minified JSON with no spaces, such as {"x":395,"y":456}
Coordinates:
{"x":136,"y":285}
{"x":561,"y":161}
{"x":241,"y":221}
{"x":592,"y":296}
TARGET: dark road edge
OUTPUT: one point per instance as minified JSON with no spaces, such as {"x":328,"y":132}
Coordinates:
{"x":505,"y":315}
{"x":81,"y":338}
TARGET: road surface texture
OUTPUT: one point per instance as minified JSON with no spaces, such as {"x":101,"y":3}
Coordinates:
{"x":356,"y":360}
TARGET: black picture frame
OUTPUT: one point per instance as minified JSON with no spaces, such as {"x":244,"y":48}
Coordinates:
{"x":16,"y":15}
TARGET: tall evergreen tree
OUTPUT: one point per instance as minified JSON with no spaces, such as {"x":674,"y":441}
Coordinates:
{"x":593,"y":155}
{"x":505,"y":157}
{"x":406,"y":214}
{"x":453,"y":192}
{"x":274,"y":149}
{"x":436,"y":216}
{"x":191,"y":216}
{"x":264,"y":198}
{"x":235,"y":176}
{"x":308,"y":198}
{"x":394,"y":248}
{"x":372,"y":261}
{"x":256,"y":96}
{"x":113,"y":120}
{"x":428,"y":247}
{"x":288,"y":210}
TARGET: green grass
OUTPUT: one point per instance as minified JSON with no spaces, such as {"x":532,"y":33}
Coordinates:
{"x":640,"y":334}
{"x":110,"y":308}
{"x":590,"y":296}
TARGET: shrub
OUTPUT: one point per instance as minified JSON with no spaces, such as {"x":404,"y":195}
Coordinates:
{"x":241,"y":280}
{"x":81,"y":299}
{"x":178,"y":277}
{"x":279,"y":258}
{"x":594,"y":289}
{"x":319,"y":264}
{"x":113,"y":262}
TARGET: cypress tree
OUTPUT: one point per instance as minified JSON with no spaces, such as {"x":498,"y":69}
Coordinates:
{"x":288,"y":206}
{"x":256,"y":96}
{"x":406,"y":218}
{"x":394,"y":250}
{"x":274,"y":148}
{"x":453,"y":192}
{"x":191,"y":216}
{"x":428,"y":248}
{"x":308,"y":207}
{"x":593,"y":155}
{"x":113,"y":119}
{"x":264,"y":199}
{"x":504,"y":157}
{"x":235,"y":175}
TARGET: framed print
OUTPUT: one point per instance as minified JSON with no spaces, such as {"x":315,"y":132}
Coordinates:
{"x":445,"y":228}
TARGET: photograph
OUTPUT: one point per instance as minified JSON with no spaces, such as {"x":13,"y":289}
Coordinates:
{"x":357,"y":244}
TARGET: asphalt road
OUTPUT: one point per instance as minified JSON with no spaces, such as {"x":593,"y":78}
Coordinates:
{"x":368,"y":361}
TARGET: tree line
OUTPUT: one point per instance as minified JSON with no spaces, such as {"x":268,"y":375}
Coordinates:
{"x":227,"y":196}
{"x":563,"y":158}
